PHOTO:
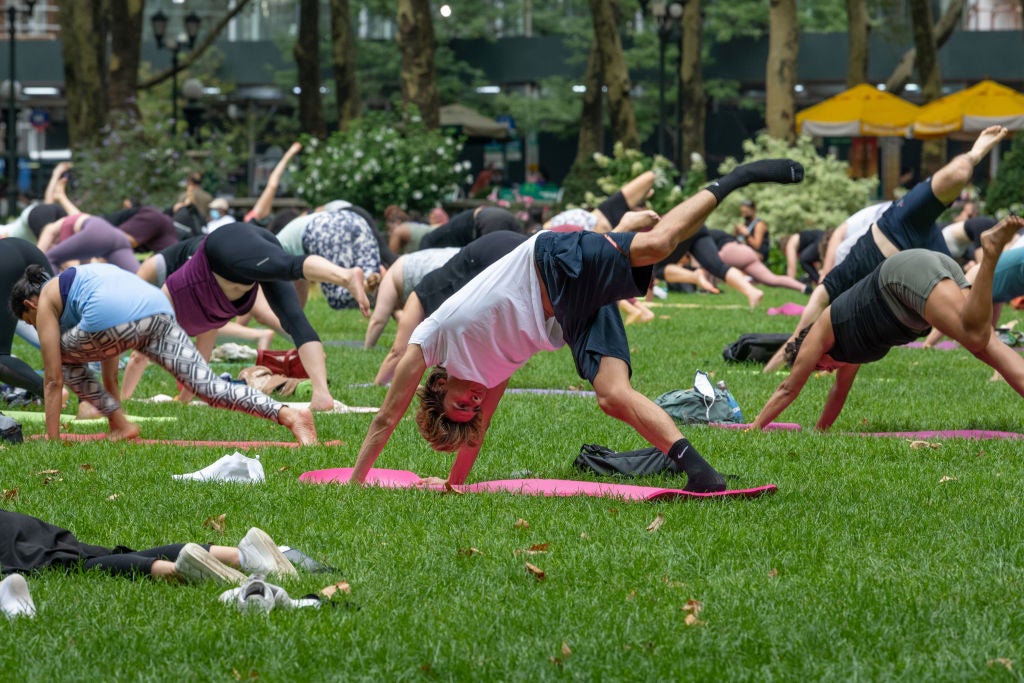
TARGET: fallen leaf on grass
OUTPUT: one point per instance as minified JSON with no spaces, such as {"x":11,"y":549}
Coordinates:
{"x":49,"y":480}
{"x":946,"y":478}
{"x":86,"y":467}
{"x":979,"y":454}
{"x":558,"y":659}
{"x":48,"y":472}
{"x":773,"y":573}
{"x":573,"y":387}
{"x":692,"y":606}
{"x":631,"y":595}
{"x":521,"y":524}
{"x":584,"y":535}
{"x":924,"y":444}
{"x":535,"y":549}
{"x":284,"y":469}
{"x":691,"y":620}
{"x":656,"y":524}
{"x":10,"y":494}
{"x":113,"y":496}
{"x":1003,"y":661}
{"x":340,"y":587}
{"x":215,"y":523}
{"x":469,"y":552}
{"x":537,"y":572}
{"x":238,"y":675}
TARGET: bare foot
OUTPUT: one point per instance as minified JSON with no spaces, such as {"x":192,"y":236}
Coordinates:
{"x":754,"y":298}
{"x":87,"y":411}
{"x":127,"y":434}
{"x":987,"y":139}
{"x":318,"y":404}
{"x":704,"y":283}
{"x":300,"y":422}
{"x":357,"y":286}
{"x":637,"y":221}
{"x":995,"y":238}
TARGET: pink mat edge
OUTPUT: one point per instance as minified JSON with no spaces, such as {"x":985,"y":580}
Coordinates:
{"x":978,"y":434}
{"x":550,"y":487}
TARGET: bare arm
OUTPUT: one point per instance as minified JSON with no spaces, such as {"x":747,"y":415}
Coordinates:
{"x":396,"y":402}
{"x":817,"y":343}
{"x":388,"y":298}
{"x":261,"y":209}
{"x":48,"y":325}
{"x":837,"y":396}
{"x":757,"y":235}
{"x":838,"y":235}
{"x":792,"y":258}
{"x":466,"y":456}
{"x":412,"y":315}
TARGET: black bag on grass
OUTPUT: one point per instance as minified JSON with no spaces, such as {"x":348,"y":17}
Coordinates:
{"x":754,"y":347}
{"x":604,"y":461}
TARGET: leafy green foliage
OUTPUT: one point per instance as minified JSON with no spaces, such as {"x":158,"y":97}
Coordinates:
{"x":609,"y":173}
{"x":824,"y":200}
{"x":381,"y":159}
{"x":144,"y":161}
{"x":1006,"y":191}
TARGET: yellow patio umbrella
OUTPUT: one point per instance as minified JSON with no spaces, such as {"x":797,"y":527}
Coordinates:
{"x":973,"y":109}
{"x":863,"y":110}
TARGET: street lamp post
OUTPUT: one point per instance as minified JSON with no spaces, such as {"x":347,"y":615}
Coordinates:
{"x":14,"y":10}
{"x":668,"y":16}
{"x":174,"y":46}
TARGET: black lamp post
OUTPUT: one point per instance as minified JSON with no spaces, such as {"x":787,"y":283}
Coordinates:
{"x":669,"y":16}
{"x":14,"y":10}
{"x":174,"y":46}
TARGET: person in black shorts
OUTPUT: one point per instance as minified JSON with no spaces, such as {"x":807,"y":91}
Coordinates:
{"x":902,"y":299}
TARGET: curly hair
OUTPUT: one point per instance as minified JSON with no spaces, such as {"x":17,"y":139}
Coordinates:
{"x":27,"y":286}
{"x":440,"y":431}
{"x":793,"y":347}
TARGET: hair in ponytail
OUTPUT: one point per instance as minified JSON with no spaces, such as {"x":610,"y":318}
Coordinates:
{"x":27,"y":286}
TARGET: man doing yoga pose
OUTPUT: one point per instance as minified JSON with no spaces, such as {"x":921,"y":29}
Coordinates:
{"x":554,"y":289}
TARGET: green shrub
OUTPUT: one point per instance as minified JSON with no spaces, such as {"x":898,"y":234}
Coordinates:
{"x":380,"y":160}
{"x":608,"y":174}
{"x":825,"y":198}
{"x":1006,"y":191}
{"x":140,"y":159}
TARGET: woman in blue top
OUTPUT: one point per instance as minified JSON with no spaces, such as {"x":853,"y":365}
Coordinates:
{"x":94,"y":313}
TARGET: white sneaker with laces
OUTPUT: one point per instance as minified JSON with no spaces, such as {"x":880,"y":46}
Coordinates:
{"x":195,"y":563}
{"x":15,"y":600}
{"x":233,"y":467}
{"x":258,"y":553}
{"x":256,"y":593}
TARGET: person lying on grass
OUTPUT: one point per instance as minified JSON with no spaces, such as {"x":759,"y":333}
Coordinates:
{"x":899,"y":301}
{"x":28,"y":544}
{"x":557,"y":288}
{"x":908,"y":223}
{"x":96,"y":312}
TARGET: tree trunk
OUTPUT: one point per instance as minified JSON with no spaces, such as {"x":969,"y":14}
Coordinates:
{"x":343,"y":57}
{"x":592,"y":118}
{"x":84,"y":40}
{"x":933,"y":152}
{"x":307,"y":63}
{"x":859,"y":27}
{"x":903,"y":71}
{"x":694,"y":113}
{"x":780,"y":79}
{"x":614,"y":74}
{"x":125,"y":39}
{"x":416,"y":43}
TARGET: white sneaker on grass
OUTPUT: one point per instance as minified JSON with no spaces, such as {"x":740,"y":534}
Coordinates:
{"x":195,"y":563}
{"x":15,"y":600}
{"x":257,"y":553}
{"x":233,"y":467}
{"x":257,"y":594}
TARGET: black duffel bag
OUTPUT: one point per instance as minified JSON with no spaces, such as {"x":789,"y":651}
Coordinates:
{"x":754,"y":347}
{"x":604,"y":461}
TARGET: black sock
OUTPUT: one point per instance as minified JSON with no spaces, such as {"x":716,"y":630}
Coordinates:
{"x":700,"y":476}
{"x":783,"y":171}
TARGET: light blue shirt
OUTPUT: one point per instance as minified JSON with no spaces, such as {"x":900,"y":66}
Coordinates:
{"x":103,"y":295}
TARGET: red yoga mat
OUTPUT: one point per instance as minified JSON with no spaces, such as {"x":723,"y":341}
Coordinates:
{"x":403,"y":479}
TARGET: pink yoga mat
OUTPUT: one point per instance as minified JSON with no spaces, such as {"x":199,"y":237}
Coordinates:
{"x":788,"y":308}
{"x":186,"y":442}
{"x":949,"y":434}
{"x":770,"y":427}
{"x":403,"y":479}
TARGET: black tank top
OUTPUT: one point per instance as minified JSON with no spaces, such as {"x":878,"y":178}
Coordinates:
{"x":864,"y":326}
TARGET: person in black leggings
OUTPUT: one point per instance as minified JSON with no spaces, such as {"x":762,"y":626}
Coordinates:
{"x":469,"y":225}
{"x":701,"y":247}
{"x":16,"y":255}
{"x":226,"y":272}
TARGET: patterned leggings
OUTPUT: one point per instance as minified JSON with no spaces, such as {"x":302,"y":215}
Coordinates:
{"x":345,"y":239}
{"x":163,"y":342}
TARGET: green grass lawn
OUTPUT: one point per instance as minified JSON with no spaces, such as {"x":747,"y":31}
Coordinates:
{"x":875,"y":561}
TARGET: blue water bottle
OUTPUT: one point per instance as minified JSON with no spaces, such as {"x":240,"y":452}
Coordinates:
{"x":737,"y":414}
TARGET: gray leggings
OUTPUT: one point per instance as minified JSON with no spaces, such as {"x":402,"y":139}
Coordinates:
{"x":160,"y":339}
